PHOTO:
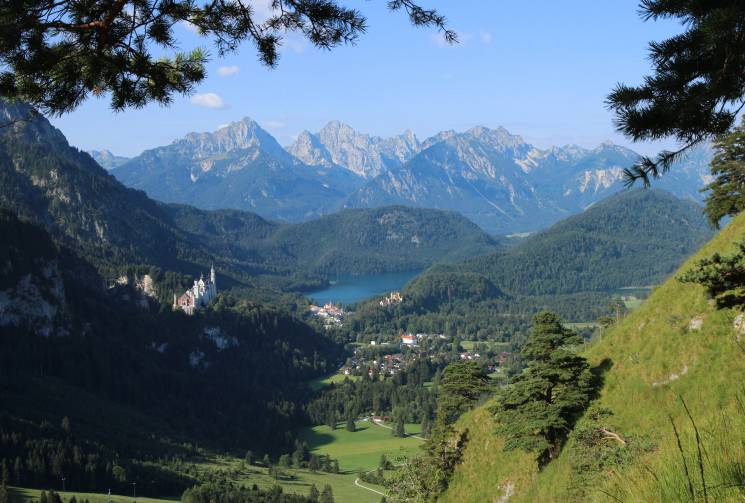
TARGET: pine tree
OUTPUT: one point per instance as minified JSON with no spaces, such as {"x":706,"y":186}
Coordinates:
{"x":698,"y":82}
{"x":462,"y":384}
{"x":43,"y":497}
{"x":350,"y":424}
{"x":726,"y":196}
{"x":313,"y":464}
{"x":18,"y":472}
{"x":4,"y":472}
{"x":4,"y":495}
{"x":249,"y":457}
{"x":398,"y":427}
{"x":539,"y":408}
{"x":383,"y":463}
{"x":327,"y":495}
{"x":314,"y":494}
{"x":426,"y":426}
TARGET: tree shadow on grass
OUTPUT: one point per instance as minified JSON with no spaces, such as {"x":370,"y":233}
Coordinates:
{"x":316,"y":439}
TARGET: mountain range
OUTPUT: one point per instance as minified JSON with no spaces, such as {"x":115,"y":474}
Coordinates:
{"x":494,"y":178}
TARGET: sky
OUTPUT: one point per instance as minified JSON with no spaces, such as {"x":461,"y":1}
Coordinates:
{"x":540,"y":68}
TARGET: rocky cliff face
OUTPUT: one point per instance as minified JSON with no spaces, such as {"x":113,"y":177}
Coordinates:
{"x":366,"y":156}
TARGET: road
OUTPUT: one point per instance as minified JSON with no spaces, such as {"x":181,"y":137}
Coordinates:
{"x":380,"y":423}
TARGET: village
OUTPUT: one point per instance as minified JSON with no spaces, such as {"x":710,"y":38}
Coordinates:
{"x":386,"y":359}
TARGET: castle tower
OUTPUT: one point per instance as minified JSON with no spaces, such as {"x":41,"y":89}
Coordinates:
{"x":212,"y":276}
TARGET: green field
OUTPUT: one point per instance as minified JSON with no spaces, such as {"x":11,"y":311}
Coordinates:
{"x":23,"y":494}
{"x":360,"y":449}
{"x":322,"y":382}
{"x":355,"y":451}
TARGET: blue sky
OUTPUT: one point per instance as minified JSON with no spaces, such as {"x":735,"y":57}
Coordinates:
{"x":540,"y":68}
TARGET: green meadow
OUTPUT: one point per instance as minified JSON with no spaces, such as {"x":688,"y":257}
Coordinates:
{"x":356,"y":451}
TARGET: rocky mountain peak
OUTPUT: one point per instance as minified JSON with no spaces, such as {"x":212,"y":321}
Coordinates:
{"x":244,"y":134}
{"x":363,"y":154}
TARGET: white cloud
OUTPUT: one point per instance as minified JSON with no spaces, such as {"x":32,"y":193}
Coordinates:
{"x":262,"y":10}
{"x":227,"y":71}
{"x":485,"y":37}
{"x":191,"y":27}
{"x":275,"y":124}
{"x":293,"y":44}
{"x":223,"y":126}
{"x":209,"y":100}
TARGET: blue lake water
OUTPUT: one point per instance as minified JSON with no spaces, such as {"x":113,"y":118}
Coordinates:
{"x":354,"y":288}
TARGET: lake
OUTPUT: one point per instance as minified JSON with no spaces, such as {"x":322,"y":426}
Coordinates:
{"x":354,"y":288}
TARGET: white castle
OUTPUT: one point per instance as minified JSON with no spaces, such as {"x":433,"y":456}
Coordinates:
{"x":197,"y":296}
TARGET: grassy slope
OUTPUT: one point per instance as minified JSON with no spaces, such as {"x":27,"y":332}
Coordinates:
{"x":649,"y":346}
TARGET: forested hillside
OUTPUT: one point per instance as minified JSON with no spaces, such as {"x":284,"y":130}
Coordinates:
{"x":666,"y":426}
{"x":135,"y":383}
{"x":635,"y":238}
{"x":575,"y":267}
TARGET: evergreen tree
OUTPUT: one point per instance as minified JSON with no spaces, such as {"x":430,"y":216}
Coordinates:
{"x":539,"y":408}
{"x":698,"y":84}
{"x":18,"y":472}
{"x":350,"y":424}
{"x":331,"y":420}
{"x":383,"y":463}
{"x":4,"y":494}
{"x":335,"y":466}
{"x":726,"y":195}
{"x":398,"y":427}
{"x":723,"y":276}
{"x":313,"y":464}
{"x":462,"y":384}
{"x":327,"y":495}
{"x":426,"y":427}
{"x":249,"y":457}
{"x":284,"y":461}
{"x":43,"y":497}
{"x":314,"y":494}
{"x":65,"y":425}
{"x":266,"y":461}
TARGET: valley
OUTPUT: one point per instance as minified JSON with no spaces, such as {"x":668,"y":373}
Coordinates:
{"x":198,"y":305}
{"x":256,"y":368}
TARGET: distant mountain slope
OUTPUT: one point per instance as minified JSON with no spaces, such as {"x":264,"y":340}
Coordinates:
{"x":671,"y":371}
{"x":107,"y":159}
{"x":383,"y":239}
{"x":634,"y":238}
{"x":240,"y":166}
